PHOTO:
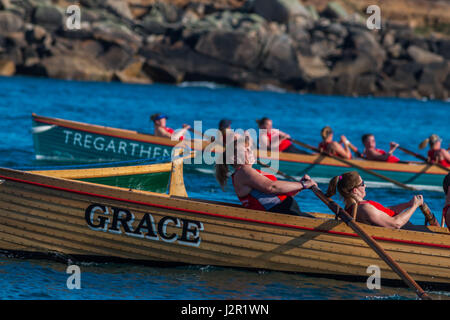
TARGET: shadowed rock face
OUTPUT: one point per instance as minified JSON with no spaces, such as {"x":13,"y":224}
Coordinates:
{"x":279,"y":43}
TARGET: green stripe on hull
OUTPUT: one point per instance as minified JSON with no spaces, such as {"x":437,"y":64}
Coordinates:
{"x":154,"y":182}
{"x":64,"y":144}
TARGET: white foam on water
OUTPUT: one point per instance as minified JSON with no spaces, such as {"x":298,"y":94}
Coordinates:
{"x":200,"y":84}
{"x":40,"y":129}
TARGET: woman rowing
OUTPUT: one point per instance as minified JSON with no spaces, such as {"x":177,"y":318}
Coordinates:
{"x":436,"y":154}
{"x":372,"y":153}
{"x":335,"y":148}
{"x":159,"y":121}
{"x":446,"y":210}
{"x":268,"y":137}
{"x":352,"y":188}
{"x":255,"y":189}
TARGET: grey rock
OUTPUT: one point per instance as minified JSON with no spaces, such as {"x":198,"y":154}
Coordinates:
{"x":119,"y":7}
{"x":236,"y":48}
{"x":9,"y":22}
{"x":49,"y":17}
{"x":423,"y":56}
{"x":280,"y":11}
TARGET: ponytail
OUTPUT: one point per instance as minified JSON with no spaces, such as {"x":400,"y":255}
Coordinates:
{"x":332,"y":187}
{"x":222,"y":175}
{"x":424,"y":143}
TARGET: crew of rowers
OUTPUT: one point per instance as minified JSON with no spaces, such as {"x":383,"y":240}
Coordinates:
{"x":259,"y":190}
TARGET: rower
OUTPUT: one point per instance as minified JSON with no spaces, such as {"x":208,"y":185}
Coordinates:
{"x":284,"y":140}
{"x":372,"y":153}
{"x":255,"y":189}
{"x":334,"y":148}
{"x":436,"y":154}
{"x":446,"y":210}
{"x":353,"y":189}
{"x":159,"y":121}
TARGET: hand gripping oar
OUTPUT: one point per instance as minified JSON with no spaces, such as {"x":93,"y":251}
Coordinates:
{"x":423,"y":158}
{"x":429,"y":216}
{"x":304,"y":145}
{"x":341,"y":213}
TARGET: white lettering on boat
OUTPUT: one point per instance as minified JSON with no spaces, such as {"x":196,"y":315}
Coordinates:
{"x":116,"y":146}
{"x":168,"y":229}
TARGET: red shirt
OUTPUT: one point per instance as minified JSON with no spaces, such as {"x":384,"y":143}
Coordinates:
{"x":171,"y":131}
{"x":391,"y":158}
{"x":380,"y":207}
{"x":258,"y":200}
{"x":283,"y":144}
{"x":433,"y":154}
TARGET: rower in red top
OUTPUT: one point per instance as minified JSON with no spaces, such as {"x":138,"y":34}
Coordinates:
{"x":255,"y":189}
{"x":436,"y":154}
{"x":372,"y":153}
{"x":446,"y":210}
{"x":335,"y":148}
{"x":161,"y":130}
{"x":353,"y":189}
{"x":269,"y":135}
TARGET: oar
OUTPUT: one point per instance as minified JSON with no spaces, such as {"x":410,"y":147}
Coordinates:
{"x":371,"y":242}
{"x":429,"y":216}
{"x":304,"y":145}
{"x":367,"y":238}
{"x":419,"y":156}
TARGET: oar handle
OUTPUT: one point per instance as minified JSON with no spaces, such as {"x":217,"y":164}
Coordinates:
{"x":371,"y":242}
{"x":423,"y":158}
{"x":429,"y":216}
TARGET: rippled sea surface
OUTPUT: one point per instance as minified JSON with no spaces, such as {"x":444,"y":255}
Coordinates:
{"x":407,"y":122}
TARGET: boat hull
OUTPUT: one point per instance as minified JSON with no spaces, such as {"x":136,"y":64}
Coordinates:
{"x":40,"y":214}
{"x":63,"y":140}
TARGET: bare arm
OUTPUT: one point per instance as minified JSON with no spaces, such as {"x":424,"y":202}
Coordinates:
{"x":381,"y":219}
{"x":180,"y":133}
{"x":342,"y":152}
{"x":160,"y":132}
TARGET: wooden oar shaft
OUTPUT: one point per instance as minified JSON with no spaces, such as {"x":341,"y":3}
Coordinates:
{"x":429,"y":216}
{"x":419,"y":156}
{"x":355,"y":166}
{"x":371,"y":243}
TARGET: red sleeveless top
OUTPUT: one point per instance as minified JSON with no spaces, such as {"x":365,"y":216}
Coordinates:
{"x":259,"y":200}
{"x":324,"y":146}
{"x":380,"y":207}
{"x":432,"y":154}
{"x":171,"y":131}
{"x":283,"y":144}
{"x":391,"y":158}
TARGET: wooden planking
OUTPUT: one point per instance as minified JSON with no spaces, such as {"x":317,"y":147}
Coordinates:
{"x":231,"y":246}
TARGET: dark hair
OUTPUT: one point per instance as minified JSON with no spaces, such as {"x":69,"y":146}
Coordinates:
{"x":344,"y":183}
{"x":446,"y":183}
{"x":325,"y":132}
{"x":261,"y":121}
{"x":364,"y":137}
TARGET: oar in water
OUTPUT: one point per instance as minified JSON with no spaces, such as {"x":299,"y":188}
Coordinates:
{"x":419,"y":156}
{"x":371,"y":243}
{"x":341,"y":213}
{"x":304,"y":145}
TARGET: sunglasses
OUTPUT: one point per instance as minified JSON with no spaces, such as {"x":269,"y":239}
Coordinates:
{"x":361,"y":184}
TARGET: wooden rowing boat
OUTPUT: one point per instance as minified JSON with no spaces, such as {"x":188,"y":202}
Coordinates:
{"x":45,"y":213}
{"x":63,"y":140}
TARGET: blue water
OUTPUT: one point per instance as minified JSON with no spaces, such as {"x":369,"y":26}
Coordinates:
{"x":128,"y":106}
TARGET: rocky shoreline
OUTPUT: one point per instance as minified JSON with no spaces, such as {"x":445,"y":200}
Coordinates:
{"x":256,"y":45}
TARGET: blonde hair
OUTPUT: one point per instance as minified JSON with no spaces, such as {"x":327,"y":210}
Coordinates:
{"x":325,"y":132}
{"x":431,"y":140}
